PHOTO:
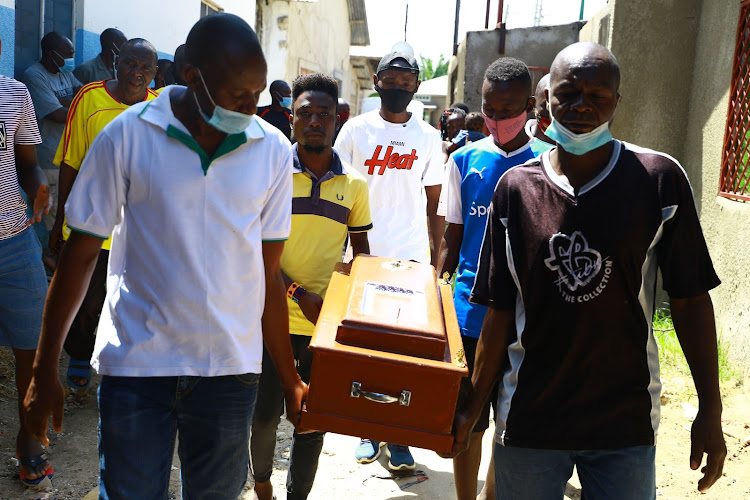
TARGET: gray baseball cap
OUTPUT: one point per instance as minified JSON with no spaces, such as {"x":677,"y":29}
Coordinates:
{"x":400,"y":61}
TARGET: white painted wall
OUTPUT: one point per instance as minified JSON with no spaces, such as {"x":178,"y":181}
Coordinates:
{"x":165,"y":23}
{"x":273,"y":36}
{"x":312,"y":36}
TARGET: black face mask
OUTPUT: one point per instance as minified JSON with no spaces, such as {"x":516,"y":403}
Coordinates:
{"x":394,"y":100}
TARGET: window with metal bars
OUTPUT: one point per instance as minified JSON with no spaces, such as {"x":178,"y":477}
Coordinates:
{"x":734,"y":182}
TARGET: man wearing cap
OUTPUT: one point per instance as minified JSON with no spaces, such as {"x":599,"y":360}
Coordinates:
{"x":401,"y":157}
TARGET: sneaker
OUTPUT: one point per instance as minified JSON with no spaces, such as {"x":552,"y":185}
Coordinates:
{"x":367,"y":451}
{"x":400,"y":457}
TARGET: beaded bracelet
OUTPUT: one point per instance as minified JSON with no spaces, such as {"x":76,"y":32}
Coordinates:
{"x":295,"y":292}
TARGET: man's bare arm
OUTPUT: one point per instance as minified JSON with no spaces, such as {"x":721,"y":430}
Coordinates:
{"x":45,"y":397}
{"x":696,"y":330}
{"x":60,"y":115}
{"x":32,"y":180}
{"x":490,"y":362}
{"x":360,"y":243}
{"x":435,"y":222}
{"x":450,"y":249}
{"x":275,"y":323}
{"x":67,"y":177}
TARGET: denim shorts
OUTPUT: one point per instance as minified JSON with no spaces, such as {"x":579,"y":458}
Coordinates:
{"x":23,"y":289}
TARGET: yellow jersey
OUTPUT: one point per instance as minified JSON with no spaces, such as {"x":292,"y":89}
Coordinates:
{"x":324,"y":211}
{"x":91,"y":110}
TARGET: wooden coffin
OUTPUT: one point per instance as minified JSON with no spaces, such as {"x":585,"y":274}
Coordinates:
{"x":387,"y":356}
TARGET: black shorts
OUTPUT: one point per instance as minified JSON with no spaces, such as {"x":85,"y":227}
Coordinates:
{"x":470,"y":348}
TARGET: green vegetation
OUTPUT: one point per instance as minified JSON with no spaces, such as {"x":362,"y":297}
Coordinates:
{"x":672,"y":359}
{"x":429,"y":70}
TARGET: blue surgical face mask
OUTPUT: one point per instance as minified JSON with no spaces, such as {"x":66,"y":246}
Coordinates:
{"x":578,"y":144}
{"x":285,"y":101}
{"x":68,"y":64}
{"x":222,"y":119}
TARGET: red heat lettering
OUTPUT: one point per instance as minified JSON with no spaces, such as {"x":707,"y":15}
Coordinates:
{"x":390,"y":160}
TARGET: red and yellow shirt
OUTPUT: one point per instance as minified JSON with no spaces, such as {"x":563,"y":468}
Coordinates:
{"x":91,"y":110}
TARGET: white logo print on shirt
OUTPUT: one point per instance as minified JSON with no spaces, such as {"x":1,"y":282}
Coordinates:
{"x":576,"y":264}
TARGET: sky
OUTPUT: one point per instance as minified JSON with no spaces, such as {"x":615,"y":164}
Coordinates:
{"x":430,"y":23}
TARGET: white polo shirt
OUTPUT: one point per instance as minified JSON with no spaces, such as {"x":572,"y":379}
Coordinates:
{"x":185,"y":285}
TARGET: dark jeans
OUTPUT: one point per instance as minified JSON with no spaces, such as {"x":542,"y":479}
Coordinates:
{"x":620,"y":474}
{"x":140,"y":418}
{"x":79,"y":344}
{"x":306,"y":448}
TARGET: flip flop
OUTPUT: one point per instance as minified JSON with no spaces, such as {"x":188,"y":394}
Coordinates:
{"x":78,"y":368}
{"x":33,"y":463}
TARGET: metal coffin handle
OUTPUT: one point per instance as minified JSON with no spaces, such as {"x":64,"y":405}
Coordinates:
{"x":403,"y":399}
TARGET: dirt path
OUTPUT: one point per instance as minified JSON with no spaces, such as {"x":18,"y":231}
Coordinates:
{"x":74,"y":455}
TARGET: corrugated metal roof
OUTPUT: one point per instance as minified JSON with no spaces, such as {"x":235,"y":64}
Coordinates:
{"x":360,"y":34}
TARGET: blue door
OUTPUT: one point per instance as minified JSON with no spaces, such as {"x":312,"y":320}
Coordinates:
{"x":58,"y":16}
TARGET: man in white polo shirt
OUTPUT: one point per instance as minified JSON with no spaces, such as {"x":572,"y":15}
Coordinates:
{"x":198,"y":196}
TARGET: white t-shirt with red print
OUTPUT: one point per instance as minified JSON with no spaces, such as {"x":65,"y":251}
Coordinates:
{"x":398,"y":160}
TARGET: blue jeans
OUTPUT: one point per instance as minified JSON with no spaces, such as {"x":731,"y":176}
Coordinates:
{"x":305,"y":450}
{"x":623,"y":474}
{"x":140,"y":417}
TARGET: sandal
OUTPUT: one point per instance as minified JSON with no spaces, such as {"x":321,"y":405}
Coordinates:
{"x":33,"y":463}
{"x":81,"y":369}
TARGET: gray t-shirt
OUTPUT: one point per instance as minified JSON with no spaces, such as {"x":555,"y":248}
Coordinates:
{"x":93,"y":70}
{"x":46,"y":89}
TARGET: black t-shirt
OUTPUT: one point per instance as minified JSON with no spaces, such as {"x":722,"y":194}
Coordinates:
{"x":580,"y":272}
{"x":279,"y":119}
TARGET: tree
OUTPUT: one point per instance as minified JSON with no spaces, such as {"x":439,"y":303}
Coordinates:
{"x":429,"y":70}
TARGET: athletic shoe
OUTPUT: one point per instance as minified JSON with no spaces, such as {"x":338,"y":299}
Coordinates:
{"x":400,"y":457}
{"x":367,"y":451}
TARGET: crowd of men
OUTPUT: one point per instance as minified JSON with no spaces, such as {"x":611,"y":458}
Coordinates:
{"x":196,"y":234}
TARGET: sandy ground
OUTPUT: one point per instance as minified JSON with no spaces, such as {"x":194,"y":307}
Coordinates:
{"x":74,"y":455}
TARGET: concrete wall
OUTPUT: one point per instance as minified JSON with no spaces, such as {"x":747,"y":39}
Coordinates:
{"x":457,"y":76}
{"x":676,"y":61}
{"x":535,"y":46}
{"x":307,"y":37}
{"x":656,"y":65}
{"x":272,"y":27}
{"x":166,"y":26}
{"x":7,"y":36}
{"x":726,"y":223}
{"x":599,"y":27}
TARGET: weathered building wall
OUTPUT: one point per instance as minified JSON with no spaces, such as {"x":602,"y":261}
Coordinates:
{"x":676,"y":62}
{"x":166,"y":26}
{"x":301,"y":37}
{"x":726,"y":223}
{"x":7,"y":36}
{"x":535,"y":46}
{"x":457,"y":76}
{"x":654,"y":42}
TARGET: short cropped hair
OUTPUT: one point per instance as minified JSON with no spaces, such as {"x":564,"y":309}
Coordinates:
{"x":475,"y":121}
{"x":136,"y":42}
{"x":509,"y":69}
{"x":461,"y":106}
{"x":456,"y":111}
{"x":315,"y":82}
{"x":51,"y":41}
